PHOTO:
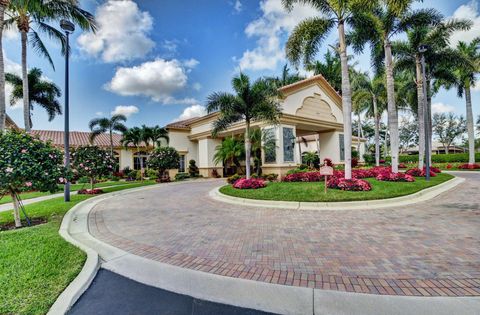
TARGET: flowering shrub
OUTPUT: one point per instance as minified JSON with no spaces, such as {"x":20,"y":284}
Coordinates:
{"x":92,"y":162}
{"x":303,"y":177}
{"x":328,"y":162}
{"x":419,"y":173}
{"x":252,"y":183}
{"x":363,"y":173}
{"x":467,"y":166}
{"x":354,"y":162}
{"x":434,"y":169}
{"x":94,"y":191}
{"x":402,"y":165}
{"x":449,"y":166}
{"x":353,"y":184}
{"x":162,"y":159}
{"x":232,"y":179}
{"x":394,"y":177}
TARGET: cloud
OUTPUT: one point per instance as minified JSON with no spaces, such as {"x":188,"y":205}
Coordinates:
{"x":15,"y":68}
{"x":190,"y":63}
{"x":197,"y":86}
{"x":126,"y":110}
{"x":270,"y":28}
{"x":11,"y":33}
{"x":158,"y":79}
{"x":99,"y":114}
{"x":237,"y":6}
{"x":467,"y":11}
{"x":442,"y":108}
{"x":170,"y":45}
{"x":191,"y":112}
{"x":122,"y":32}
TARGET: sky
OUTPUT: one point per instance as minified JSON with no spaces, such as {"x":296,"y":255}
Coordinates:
{"x":157,"y":61}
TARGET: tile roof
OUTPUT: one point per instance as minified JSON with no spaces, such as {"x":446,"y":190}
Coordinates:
{"x":182,"y":124}
{"x":77,"y":138}
{"x":10,"y":123}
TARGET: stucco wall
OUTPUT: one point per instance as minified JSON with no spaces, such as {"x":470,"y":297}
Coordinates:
{"x":330,"y":146}
{"x":126,"y":158}
{"x":179,"y":140}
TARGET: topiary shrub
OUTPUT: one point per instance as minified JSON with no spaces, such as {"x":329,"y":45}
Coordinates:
{"x":162,"y":159}
{"x":26,"y":163}
{"x":92,"y":162}
{"x":252,"y":183}
{"x":192,"y":168}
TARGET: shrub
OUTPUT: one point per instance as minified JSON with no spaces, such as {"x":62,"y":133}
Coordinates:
{"x":232,"y":179}
{"x":192,"y":168}
{"x":435,"y":169}
{"x":303,"y":177}
{"x":416,"y":172}
{"x":92,"y":162}
{"x":402,"y":165}
{"x":303,"y":167}
{"x":115,"y":179}
{"x":298,"y":170}
{"x":128,"y":173}
{"x":467,"y":166}
{"x":162,"y":159}
{"x":369,"y":159}
{"x":152,"y":174}
{"x":354,"y":162}
{"x":394,"y":177}
{"x":94,"y":191}
{"x":83,"y":180}
{"x":328,"y":162}
{"x":270,"y":177}
{"x":440,"y":158}
{"x":353,"y":184}
{"x":181,"y":176}
{"x":252,"y":183}
{"x":138,"y":175}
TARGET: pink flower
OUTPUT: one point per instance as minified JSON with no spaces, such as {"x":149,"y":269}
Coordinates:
{"x":9,"y":170}
{"x":24,"y":151}
{"x":61,"y":179}
{"x":28,"y":184}
{"x":81,"y":165}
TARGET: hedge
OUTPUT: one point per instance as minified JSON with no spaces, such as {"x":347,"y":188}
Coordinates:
{"x":439,"y":158}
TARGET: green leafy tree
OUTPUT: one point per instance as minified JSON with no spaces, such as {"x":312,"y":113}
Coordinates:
{"x":134,"y":136}
{"x":408,"y":133}
{"x":157,"y":134}
{"x":162,"y":159}
{"x":306,"y":39}
{"x":231,"y":150}
{"x":330,"y":69}
{"x":3,"y":115}
{"x":310,"y":158}
{"x":107,"y":125}
{"x":40,"y":92}
{"x":33,"y":17}
{"x":27,"y":163}
{"x":92,"y":162}
{"x":252,"y":102}
{"x":448,"y":128}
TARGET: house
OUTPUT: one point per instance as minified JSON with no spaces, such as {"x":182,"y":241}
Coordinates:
{"x":311,"y":108}
{"x":438,"y":148}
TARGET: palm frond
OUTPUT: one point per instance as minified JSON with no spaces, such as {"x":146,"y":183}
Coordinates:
{"x":39,"y":47}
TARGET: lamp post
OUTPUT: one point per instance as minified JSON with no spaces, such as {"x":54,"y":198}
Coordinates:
{"x":426,"y":113}
{"x":68,"y":27}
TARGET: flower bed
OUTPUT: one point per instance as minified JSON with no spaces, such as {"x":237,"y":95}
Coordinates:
{"x":416,"y":172}
{"x":467,"y":166}
{"x":353,"y":184}
{"x":95,"y":191}
{"x":252,"y":183}
{"x":394,"y":177}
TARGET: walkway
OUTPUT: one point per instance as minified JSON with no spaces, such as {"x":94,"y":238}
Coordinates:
{"x":429,"y":249}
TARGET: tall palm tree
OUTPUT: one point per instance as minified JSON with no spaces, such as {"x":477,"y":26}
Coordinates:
{"x":157,"y":134}
{"x":252,"y":102}
{"x":41,"y":92}
{"x":286,"y":78}
{"x":330,"y":69}
{"x":230,"y":150}
{"x":306,"y":39}
{"x":32,"y":17}
{"x":3,"y":115}
{"x":134,"y":136}
{"x":110,"y":125}
{"x":370,"y":94}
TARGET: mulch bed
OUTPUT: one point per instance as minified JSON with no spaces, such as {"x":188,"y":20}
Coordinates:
{"x":11,"y":225}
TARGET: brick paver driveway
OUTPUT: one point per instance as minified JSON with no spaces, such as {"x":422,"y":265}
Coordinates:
{"x":429,"y":249}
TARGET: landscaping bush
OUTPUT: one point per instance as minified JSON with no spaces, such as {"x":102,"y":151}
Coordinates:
{"x":192,"y":168}
{"x":152,"y":174}
{"x":440,"y":158}
{"x":162,"y":159}
{"x":94,"y":191}
{"x":115,"y":178}
{"x":252,"y":183}
{"x":435,"y":169}
{"x":354,"y":162}
{"x":353,"y":184}
{"x":467,"y":166}
{"x":181,"y":176}
{"x":232,"y":179}
{"x":298,"y":170}
{"x":83,"y":180}
{"x":394,"y":177}
{"x":303,"y":177}
{"x":416,"y":172}
{"x":402,"y":165}
{"x":369,"y":159}
{"x":92,"y":162}
{"x":129,"y":174}
{"x":270,"y":177}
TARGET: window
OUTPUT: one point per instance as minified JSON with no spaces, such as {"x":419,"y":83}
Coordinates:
{"x":341,"y":139}
{"x":288,"y":144}
{"x":116,"y":156}
{"x":181,"y":168}
{"x":140,"y":156}
{"x":269,"y":145}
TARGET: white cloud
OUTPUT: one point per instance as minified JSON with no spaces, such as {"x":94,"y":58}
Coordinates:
{"x":170,"y":45}
{"x":158,"y":79}
{"x":99,"y":114}
{"x":467,"y":11}
{"x":274,"y":23}
{"x":191,"y":63}
{"x":191,"y":112}
{"x":237,"y":6}
{"x":122,"y":32}
{"x":197,"y":86}
{"x":11,"y":33}
{"x":126,"y":110}
{"x":15,"y":68}
{"x":442,"y":108}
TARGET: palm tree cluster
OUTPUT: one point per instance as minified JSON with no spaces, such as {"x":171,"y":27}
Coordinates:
{"x":397,"y":82}
{"x":34,"y":18}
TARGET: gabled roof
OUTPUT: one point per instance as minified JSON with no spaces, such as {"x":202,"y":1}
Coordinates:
{"x":316,"y":79}
{"x":182,"y":124}
{"x":78,"y":138}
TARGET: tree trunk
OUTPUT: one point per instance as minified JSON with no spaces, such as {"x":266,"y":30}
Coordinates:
{"x":377,"y":131}
{"x":26,"y":101}
{"x":92,"y":183}
{"x":428,"y":112}
{"x":420,"y":110}
{"x":248,"y":149}
{"x":140,"y":159}
{"x":470,"y":125}
{"x":359,"y":132}
{"x":111,"y":144}
{"x":3,"y":107}
{"x":346,"y":101}
{"x":16,"y":209}
{"x":392,"y":109}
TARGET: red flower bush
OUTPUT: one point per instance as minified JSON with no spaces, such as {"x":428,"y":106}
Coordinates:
{"x":328,"y":162}
{"x":449,"y":166}
{"x":467,"y":166}
{"x":353,"y":184}
{"x":363,"y":173}
{"x":304,"y":177}
{"x":402,"y":165}
{"x":434,"y":169}
{"x":416,"y":172}
{"x":252,"y":183}
{"x":354,"y":162}
{"x":95,"y":191}
{"x":394,"y":177}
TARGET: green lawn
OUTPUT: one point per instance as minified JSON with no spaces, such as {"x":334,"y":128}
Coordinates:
{"x":36,"y":263}
{"x":301,"y":191}
{"x":73,"y":187}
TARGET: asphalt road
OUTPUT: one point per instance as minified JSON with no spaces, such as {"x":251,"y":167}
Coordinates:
{"x":111,"y":293}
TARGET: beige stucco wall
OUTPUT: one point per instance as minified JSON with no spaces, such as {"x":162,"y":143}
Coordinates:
{"x":126,"y":158}
{"x":180,"y":141}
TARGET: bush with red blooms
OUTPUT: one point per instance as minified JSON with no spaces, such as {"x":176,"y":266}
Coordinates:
{"x":252,"y":183}
{"x":449,"y":166}
{"x":363,"y":173}
{"x":434,"y":169}
{"x":381,"y":161}
{"x":416,"y":172}
{"x":394,"y":177}
{"x":467,"y":166}
{"x":402,"y":165}
{"x":353,"y":184}
{"x":95,"y":191}
{"x":304,"y":177}
{"x":354,"y":162}
{"x":328,"y":162}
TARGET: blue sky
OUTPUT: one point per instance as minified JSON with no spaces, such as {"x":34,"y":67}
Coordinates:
{"x":157,"y":61}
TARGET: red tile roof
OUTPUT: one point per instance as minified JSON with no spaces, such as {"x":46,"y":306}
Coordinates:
{"x":77,"y":138}
{"x":182,"y":124}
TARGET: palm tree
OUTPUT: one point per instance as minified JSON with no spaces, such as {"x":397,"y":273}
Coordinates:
{"x":466,"y":74}
{"x":38,"y":13}
{"x":330,"y":69}
{"x":286,"y":78}
{"x":370,"y":94}
{"x":134,"y":136}
{"x":230,"y":150}
{"x":105,"y":124}
{"x":433,"y":31}
{"x":306,"y":39}
{"x":3,"y":115}
{"x":157,"y":134}
{"x":41,"y":92}
{"x":252,"y":102}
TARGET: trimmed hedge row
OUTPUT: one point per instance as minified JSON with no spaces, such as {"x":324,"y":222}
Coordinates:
{"x":439,"y":158}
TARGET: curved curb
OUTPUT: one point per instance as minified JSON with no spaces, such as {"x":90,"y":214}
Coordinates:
{"x":422,"y":195}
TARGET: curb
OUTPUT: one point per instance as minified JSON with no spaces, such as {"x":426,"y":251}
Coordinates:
{"x":422,"y":195}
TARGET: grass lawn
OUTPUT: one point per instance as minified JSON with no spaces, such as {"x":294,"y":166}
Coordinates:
{"x":36,"y":263}
{"x":73,"y":187}
{"x":302,"y":191}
